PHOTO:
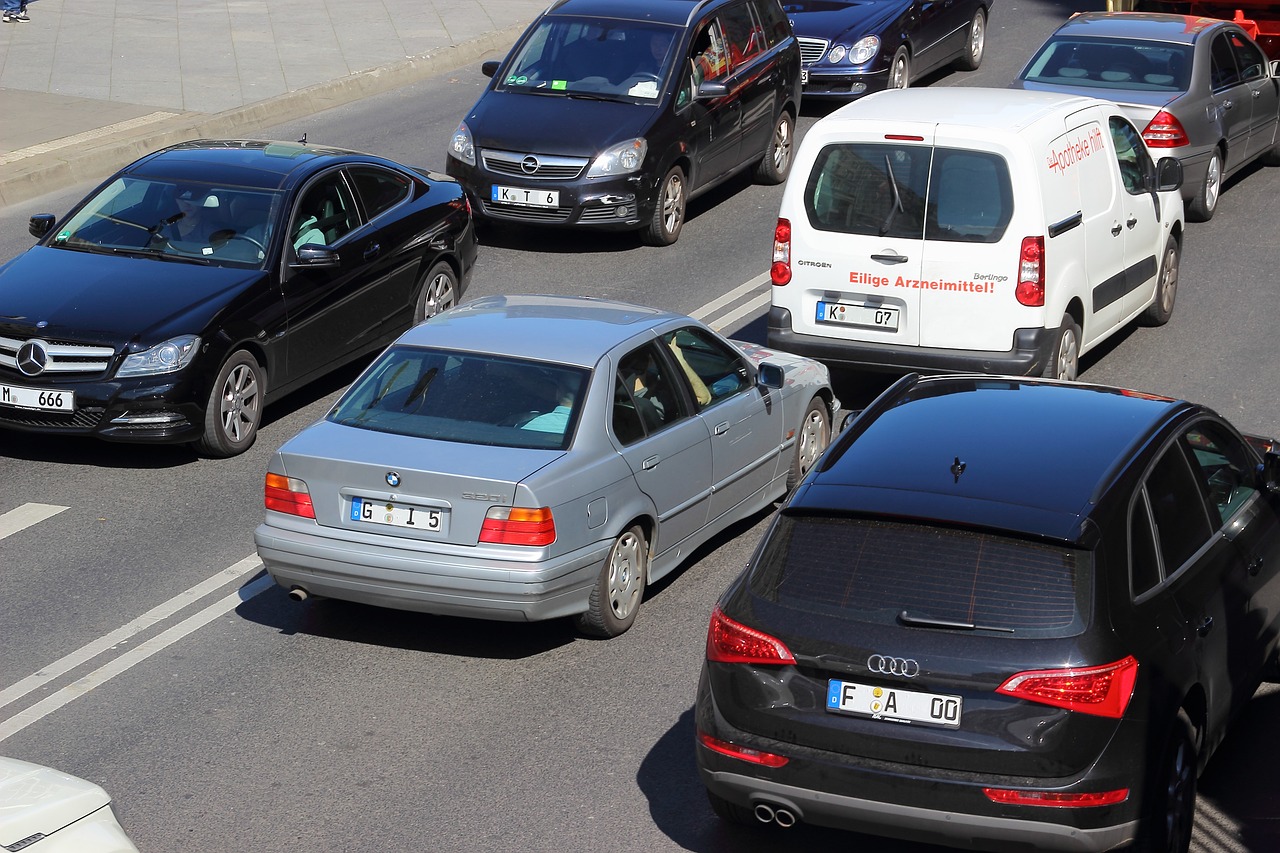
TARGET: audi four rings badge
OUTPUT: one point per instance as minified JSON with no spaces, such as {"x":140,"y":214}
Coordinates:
{"x":905,"y":667}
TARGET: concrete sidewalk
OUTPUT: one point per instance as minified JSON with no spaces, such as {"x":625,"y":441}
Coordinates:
{"x":86,"y":87}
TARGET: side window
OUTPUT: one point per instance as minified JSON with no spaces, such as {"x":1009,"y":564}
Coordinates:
{"x":713,"y":370}
{"x":380,"y":189}
{"x":971,"y":197}
{"x":743,"y":36}
{"x":851,"y":189}
{"x":646,"y":397}
{"x":774,"y":22}
{"x":1177,"y":509}
{"x":1222,"y":69}
{"x":1224,"y":466}
{"x":710,"y":56}
{"x":1144,"y":563}
{"x":1131,"y":156}
{"x":1249,"y":58}
{"x":325,"y":214}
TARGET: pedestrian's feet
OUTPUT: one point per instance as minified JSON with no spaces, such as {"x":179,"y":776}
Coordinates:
{"x":10,"y":17}
{"x":21,"y":16}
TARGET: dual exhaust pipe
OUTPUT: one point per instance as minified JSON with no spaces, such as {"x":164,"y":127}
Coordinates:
{"x":782,"y":815}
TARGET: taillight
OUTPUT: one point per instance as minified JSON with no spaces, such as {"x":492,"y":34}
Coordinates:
{"x":742,"y":753}
{"x":1103,"y":691}
{"x":1030,"y":289}
{"x":513,"y":525}
{"x":1165,"y":131}
{"x":1053,"y":799}
{"x":288,"y":495}
{"x":780,"y":271}
{"x":733,"y":642}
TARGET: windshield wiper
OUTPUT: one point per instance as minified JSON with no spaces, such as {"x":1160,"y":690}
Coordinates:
{"x":420,"y":389}
{"x":159,"y":255}
{"x":929,"y":622}
{"x":597,"y":96}
{"x":896,"y":206}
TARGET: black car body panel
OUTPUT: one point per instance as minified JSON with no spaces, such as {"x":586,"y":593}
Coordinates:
{"x":965,"y":537}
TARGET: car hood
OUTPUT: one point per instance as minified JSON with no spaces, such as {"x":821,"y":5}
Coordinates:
{"x":113,"y":299}
{"x":556,"y":124}
{"x":844,"y":21}
{"x":38,"y":800}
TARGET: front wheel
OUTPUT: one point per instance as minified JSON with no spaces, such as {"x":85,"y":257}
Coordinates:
{"x":900,"y":71}
{"x":976,"y":42}
{"x":616,"y":596}
{"x":234,"y":409}
{"x":439,"y":292}
{"x":1065,"y":361}
{"x":1161,"y":309}
{"x":668,"y":212}
{"x":1202,"y":207}
{"x":1171,"y":804}
{"x":811,"y":439}
{"x":776,"y":163}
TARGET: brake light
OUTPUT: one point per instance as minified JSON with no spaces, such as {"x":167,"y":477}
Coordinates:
{"x":780,"y":271}
{"x":288,"y":495}
{"x":1054,"y":799}
{"x":732,"y":642}
{"x":1103,"y":691}
{"x":742,"y":753}
{"x":1030,"y":289}
{"x":1165,"y":131}
{"x":513,"y":525}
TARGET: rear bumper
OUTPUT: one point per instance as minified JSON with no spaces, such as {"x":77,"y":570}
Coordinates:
{"x":428,"y":582}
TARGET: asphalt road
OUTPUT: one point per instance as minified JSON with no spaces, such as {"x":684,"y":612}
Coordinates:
{"x":142,"y":651}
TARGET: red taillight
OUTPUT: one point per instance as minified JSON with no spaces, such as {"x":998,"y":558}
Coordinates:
{"x":732,"y":642}
{"x":742,"y":753}
{"x":1030,"y":289}
{"x":288,"y":495}
{"x":513,"y":525}
{"x":780,"y":271}
{"x":1103,"y":691}
{"x":1164,"y":131}
{"x":1053,"y":799}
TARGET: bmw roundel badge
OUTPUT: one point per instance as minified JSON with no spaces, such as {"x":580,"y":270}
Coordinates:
{"x":393,"y":479}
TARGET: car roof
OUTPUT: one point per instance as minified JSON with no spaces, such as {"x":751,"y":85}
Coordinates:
{"x":240,"y":162}
{"x":678,"y":12}
{"x":1018,"y":454}
{"x":574,"y":330}
{"x":1152,"y":26}
{"x":1010,"y":109}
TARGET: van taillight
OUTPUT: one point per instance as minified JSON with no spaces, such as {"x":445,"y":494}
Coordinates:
{"x":513,"y":525}
{"x":732,"y":642}
{"x":780,"y":272}
{"x":1164,"y":131}
{"x":1030,"y":289}
{"x":1103,"y":691}
{"x":288,"y":495}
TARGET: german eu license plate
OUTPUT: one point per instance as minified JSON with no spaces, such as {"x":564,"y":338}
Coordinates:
{"x":397,"y":515}
{"x":525,"y":197}
{"x":893,"y":704}
{"x":857,"y":314}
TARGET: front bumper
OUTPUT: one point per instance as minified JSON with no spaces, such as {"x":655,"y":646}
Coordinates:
{"x":830,"y":82}
{"x":159,"y":409}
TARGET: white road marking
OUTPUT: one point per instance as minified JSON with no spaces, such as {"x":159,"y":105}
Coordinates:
{"x":726,"y":298}
{"x":730,"y":319}
{"x":26,"y":515}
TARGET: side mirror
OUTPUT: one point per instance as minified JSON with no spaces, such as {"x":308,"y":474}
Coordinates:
{"x":40,"y":224}
{"x":313,"y":256}
{"x":490,"y":67}
{"x":708,"y":91}
{"x":1275,"y":67}
{"x":770,"y":375}
{"x":1168,"y":174}
{"x":1270,"y":471}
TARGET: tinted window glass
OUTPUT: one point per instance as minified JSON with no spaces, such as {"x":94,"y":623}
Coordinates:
{"x":1177,"y":507}
{"x":647,"y":392}
{"x":742,"y":34}
{"x":1149,"y":66}
{"x":1144,"y":563}
{"x":852,"y":189}
{"x":710,"y":56}
{"x":1225,"y":467}
{"x":1222,"y":70}
{"x":1249,"y":58}
{"x":970,"y":197}
{"x":625,"y":59}
{"x":379,"y":189}
{"x":326,"y":213}
{"x":873,"y":571}
{"x":774,"y":21}
{"x":1131,"y":155}
{"x":465,"y":397}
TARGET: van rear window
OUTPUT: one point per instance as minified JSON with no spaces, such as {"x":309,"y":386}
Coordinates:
{"x":873,"y":571}
{"x":910,"y":191}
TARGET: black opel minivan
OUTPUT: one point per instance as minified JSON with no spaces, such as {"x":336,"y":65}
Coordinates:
{"x":612,"y":114}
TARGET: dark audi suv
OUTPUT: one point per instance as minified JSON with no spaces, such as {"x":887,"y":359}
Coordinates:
{"x":999,"y":613}
{"x":612,"y":114}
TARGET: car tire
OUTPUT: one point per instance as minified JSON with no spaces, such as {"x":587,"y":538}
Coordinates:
{"x":668,"y":210}
{"x":1064,"y":361}
{"x":439,"y":292}
{"x":1171,"y":808}
{"x":731,"y":812}
{"x":776,"y":163}
{"x":1202,"y":207}
{"x":900,"y":70}
{"x":975,"y":42}
{"x":811,"y":440}
{"x":619,"y":588}
{"x":234,"y":409}
{"x":1161,"y":309}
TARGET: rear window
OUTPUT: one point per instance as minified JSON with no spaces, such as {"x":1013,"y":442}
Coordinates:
{"x":910,"y":192}
{"x":466,"y":397}
{"x":1138,"y":66}
{"x":874,"y":571}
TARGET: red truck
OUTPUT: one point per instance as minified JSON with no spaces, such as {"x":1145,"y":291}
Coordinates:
{"x":1259,"y":18}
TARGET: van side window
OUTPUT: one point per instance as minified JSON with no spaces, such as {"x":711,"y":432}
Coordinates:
{"x":970,"y":197}
{"x":851,"y":189}
{"x":1131,"y":155}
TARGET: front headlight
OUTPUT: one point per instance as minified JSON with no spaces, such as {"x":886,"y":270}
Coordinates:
{"x":620,"y":159}
{"x":174,"y":354}
{"x":864,"y":51}
{"x":461,"y":146}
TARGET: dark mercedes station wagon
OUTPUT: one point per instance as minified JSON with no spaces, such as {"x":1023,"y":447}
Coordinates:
{"x":999,"y":614}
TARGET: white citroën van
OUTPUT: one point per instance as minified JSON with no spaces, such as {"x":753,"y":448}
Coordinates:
{"x":968,"y":229}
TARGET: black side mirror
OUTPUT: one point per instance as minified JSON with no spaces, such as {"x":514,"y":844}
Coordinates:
{"x":1168,"y":174}
{"x":40,"y":224}
{"x":708,"y":91}
{"x":490,"y":67}
{"x":313,"y":257}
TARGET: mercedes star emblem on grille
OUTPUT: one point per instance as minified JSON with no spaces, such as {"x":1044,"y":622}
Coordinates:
{"x":33,"y":357}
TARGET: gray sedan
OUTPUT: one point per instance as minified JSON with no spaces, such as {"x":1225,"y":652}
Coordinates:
{"x":1201,"y":89}
{"x":533,"y":457}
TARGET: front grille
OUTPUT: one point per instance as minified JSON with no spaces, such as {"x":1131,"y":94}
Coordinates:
{"x":811,"y":50}
{"x":64,"y":356}
{"x":526,"y":214}
{"x":79,"y":420}
{"x":533,"y":167}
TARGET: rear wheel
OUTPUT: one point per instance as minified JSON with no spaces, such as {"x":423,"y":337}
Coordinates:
{"x":900,"y":71}
{"x":439,"y":292}
{"x":1159,"y":311}
{"x":668,"y":213}
{"x":1065,"y":361}
{"x":776,"y":163}
{"x":731,"y":812}
{"x":615,"y":598}
{"x":1202,"y":207}
{"x":1171,"y":806}
{"x":811,"y":439}
{"x":976,"y":42}
{"x":234,"y":409}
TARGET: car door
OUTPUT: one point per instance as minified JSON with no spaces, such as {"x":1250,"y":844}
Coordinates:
{"x":714,"y":119}
{"x":1231,"y":98}
{"x":666,"y":446}
{"x":753,"y":78}
{"x":1140,"y":228}
{"x":1263,"y":98}
{"x":394,"y":250}
{"x":743,"y":419}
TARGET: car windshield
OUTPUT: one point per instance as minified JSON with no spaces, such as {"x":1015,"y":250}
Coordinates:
{"x":1144,"y":66}
{"x":622,"y":60}
{"x":207,"y":223}
{"x":466,"y":397}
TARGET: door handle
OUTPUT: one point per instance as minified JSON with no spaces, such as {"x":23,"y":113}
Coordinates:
{"x":1116,"y":229}
{"x":1205,"y":626}
{"x":1131,"y":221}
{"x":651,"y":463}
{"x":1228,"y":104}
{"x":722,"y":428}
{"x":890,"y":258}
{"x":1255,"y":566}
{"x":372,"y":251}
